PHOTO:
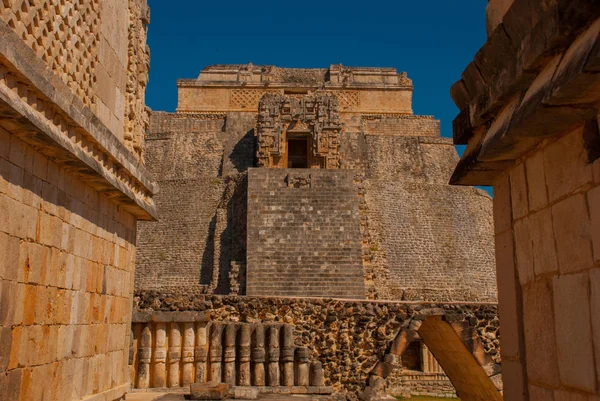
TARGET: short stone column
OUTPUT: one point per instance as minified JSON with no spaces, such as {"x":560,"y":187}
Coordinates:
{"x":229,"y":354}
{"x":201,"y":352}
{"x":216,"y":352}
{"x":316,"y":374}
{"x":145,"y":357}
{"x":174,"y":354}
{"x":287,"y":355}
{"x":160,"y":356}
{"x":302,"y":374}
{"x":187,"y":355}
{"x":274,"y":356}
{"x":244,"y":355}
{"x":258,"y":355}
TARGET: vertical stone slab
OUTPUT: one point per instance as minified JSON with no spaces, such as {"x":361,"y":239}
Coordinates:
{"x":316,"y":374}
{"x":244,"y":355}
{"x":174,"y":354}
{"x":145,"y":356}
{"x":258,"y":355}
{"x":274,"y":356}
{"x":187,"y":355}
{"x":216,"y":352}
{"x":160,"y":356}
{"x":302,"y":375}
{"x":425,"y":359}
{"x":229,"y":354}
{"x":201,"y":352}
{"x":287,"y":355}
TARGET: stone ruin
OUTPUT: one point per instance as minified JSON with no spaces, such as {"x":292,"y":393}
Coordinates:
{"x":279,"y":185}
{"x":308,"y":205}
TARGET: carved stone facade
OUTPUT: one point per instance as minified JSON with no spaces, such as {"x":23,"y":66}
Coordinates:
{"x":71,"y":192}
{"x":315,"y":118}
{"x":313,"y":184}
{"x":383,"y":171}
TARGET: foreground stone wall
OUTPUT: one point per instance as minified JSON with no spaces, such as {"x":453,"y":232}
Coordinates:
{"x":350,"y":338}
{"x":71,"y":192}
{"x":66,"y":274}
{"x":439,"y":248}
{"x":547,"y":210}
{"x":529,"y":117}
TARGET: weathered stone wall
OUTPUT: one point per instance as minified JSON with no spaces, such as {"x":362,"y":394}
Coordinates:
{"x":547,"y":212}
{"x":71,"y":191}
{"x":348,"y":337}
{"x":239,"y":88}
{"x":200,"y":164}
{"x":407,"y":251}
{"x":66,"y":275}
{"x":407,"y":125}
{"x":529,"y":117}
{"x":105,"y":63}
{"x":303,"y":234}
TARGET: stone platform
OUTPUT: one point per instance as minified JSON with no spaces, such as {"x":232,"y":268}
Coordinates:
{"x":178,"y":396}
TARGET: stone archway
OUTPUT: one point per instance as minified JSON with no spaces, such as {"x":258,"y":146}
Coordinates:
{"x":468,"y":376}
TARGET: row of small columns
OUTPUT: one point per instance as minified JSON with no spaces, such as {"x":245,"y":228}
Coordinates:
{"x":189,"y":357}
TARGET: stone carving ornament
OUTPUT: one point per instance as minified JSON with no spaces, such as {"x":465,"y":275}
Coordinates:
{"x":315,"y":117}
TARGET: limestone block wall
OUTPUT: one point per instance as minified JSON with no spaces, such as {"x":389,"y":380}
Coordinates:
{"x":71,"y":192}
{"x":547,"y":213}
{"x":406,"y":125}
{"x":303,"y":234}
{"x":201,"y":160}
{"x":66,"y":279}
{"x":441,"y":247}
{"x":200,"y":164}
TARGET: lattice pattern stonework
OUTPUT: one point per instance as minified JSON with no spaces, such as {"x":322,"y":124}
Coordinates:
{"x":63,"y":33}
{"x":347,"y":98}
{"x":247,"y":98}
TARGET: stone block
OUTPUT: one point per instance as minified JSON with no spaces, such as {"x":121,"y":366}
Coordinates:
{"x":515,"y":387}
{"x":536,"y":182}
{"x":509,"y":294}
{"x":245,"y":393}
{"x":572,"y":231}
{"x":565,"y":165}
{"x":539,"y":329}
{"x":51,"y":230}
{"x":524,"y":251}
{"x":540,"y":393}
{"x":518,"y":192}
{"x":572,"y":318}
{"x":209,"y":391}
{"x":595,"y":312}
{"x":5,"y":347}
{"x":18,"y":148}
{"x":9,"y":257}
{"x":541,"y":234}
{"x":13,"y":385}
{"x":570,"y":395}
{"x":593,"y":198}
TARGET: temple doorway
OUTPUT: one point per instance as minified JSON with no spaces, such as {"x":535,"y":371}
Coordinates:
{"x":297,"y":153}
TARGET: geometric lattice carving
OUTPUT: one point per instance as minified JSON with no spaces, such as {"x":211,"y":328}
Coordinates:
{"x":247,"y":98}
{"x":138,"y":67}
{"x":316,"y":117}
{"x":347,"y":98}
{"x":63,"y":33}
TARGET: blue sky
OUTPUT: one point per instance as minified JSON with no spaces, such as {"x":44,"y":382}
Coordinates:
{"x":432,"y":40}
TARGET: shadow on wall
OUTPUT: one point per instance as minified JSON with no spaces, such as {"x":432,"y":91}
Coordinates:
{"x":226,"y":240}
{"x":242,"y":154}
